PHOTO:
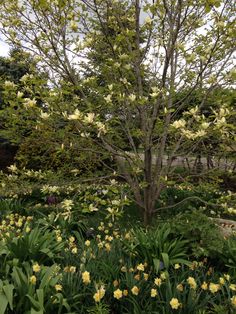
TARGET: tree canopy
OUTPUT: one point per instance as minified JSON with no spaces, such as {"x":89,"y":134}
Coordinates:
{"x":125,"y":67}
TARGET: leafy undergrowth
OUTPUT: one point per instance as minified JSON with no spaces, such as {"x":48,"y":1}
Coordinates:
{"x":70,"y":248}
{"x":57,"y":265}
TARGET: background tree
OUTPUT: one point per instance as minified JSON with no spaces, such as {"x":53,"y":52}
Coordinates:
{"x":152,"y":53}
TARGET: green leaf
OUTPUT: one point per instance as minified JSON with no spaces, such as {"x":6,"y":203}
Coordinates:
{"x":3,"y":303}
{"x":8,"y":290}
{"x":32,"y":311}
{"x":34,"y":302}
{"x":47,"y":277}
{"x":156,"y":263}
{"x":166,"y":259}
{"x":40,"y":295}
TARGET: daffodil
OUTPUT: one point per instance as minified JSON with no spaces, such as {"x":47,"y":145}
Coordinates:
{"x":36,"y":268}
{"x":213,"y":287}
{"x":180,"y":287}
{"x":140,"y":267}
{"x":99,"y":294}
{"x":174,"y":303}
{"x":135,"y":290}
{"x":58,"y":287}
{"x":233,"y":301}
{"x":86,"y":277}
{"x":33,"y":279}
{"x":158,"y":281}
{"x":117,"y":294}
{"x":232,"y":287}
{"x":191,"y":281}
{"x":204,"y":286}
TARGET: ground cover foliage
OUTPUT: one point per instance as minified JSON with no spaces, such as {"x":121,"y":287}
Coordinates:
{"x":76,"y":248}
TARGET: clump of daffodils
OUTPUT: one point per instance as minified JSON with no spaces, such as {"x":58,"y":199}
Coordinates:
{"x":99,"y":294}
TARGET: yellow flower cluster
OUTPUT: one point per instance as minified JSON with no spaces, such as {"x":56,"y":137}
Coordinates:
{"x":99,"y":294}
{"x":70,"y":269}
{"x":13,"y":225}
{"x":191,"y":281}
{"x":86,"y":277}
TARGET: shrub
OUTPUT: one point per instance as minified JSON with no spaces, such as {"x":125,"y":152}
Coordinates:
{"x":203,"y":235}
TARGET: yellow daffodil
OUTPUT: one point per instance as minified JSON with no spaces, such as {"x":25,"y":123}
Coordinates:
{"x":117,"y":294}
{"x":204,"y":286}
{"x":33,"y":280}
{"x":123,"y":269}
{"x":74,"y":250}
{"x":135,"y":290}
{"x":87,"y":243}
{"x":191,"y":281}
{"x":99,"y":294}
{"x":174,"y":303}
{"x":180,"y":287}
{"x":145,"y":276}
{"x":158,"y":281}
{"x":115,"y":283}
{"x":163,"y":276}
{"x":58,"y":287}
{"x":232,"y":287}
{"x":233,"y":301}
{"x":86,"y":277}
{"x":72,"y":239}
{"x":153,"y":293}
{"x":140,"y":267}
{"x":36,"y":268}
{"x":213,"y":287}
{"x":72,"y":269}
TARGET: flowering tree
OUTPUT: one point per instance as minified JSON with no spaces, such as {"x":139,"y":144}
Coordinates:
{"x":125,"y":64}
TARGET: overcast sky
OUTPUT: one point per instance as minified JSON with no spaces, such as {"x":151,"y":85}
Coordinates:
{"x":4,"y":48}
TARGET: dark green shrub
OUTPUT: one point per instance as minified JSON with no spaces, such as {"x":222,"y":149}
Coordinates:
{"x":203,"y":234}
